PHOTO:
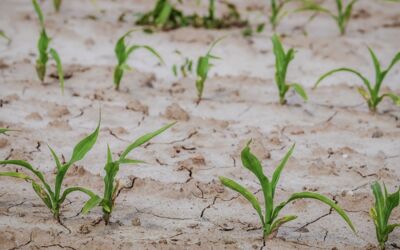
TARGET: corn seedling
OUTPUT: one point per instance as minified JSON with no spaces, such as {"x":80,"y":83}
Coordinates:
{"x":341,"y":17}
{"x":277,"y":12}
{"x":282,"y":60}
{"x":185,"y":68}
{"x":270,"y":221}
{"x":44,"y":51}
{"x":54,"y":198}
{"x":203,"y":67}
{"x":122,"y":52}
{"x":381,"y":211}
{"x":371,"y":93}
{"x":166,"y":16}
{"x":111,"y":186}
{"x":57,"y":5}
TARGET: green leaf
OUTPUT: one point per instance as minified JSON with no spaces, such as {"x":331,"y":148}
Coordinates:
{"x":39,"y":13}
{"x":84,"y":146}
{"x":251,"y":162}
{"x":29,"y":167}
{"x":60,"y":71}
{"x":278,"y":170}
{"x":279,"y":222}
{"x":154,"y":52}
{"x":129,"y":161}
{"x":163,"y":17}
{"x":365,"y":80}
{"x":3,"y":35}
{"x":55,"y":157}
{"x":17,"y":175}
{"x":245,"y":193}
{"x":395,"y":98}
{"x":363,"y":93}
{"x":143,"y":139}
{"x":75,"y":189}
{"x":299,"y":90}
{"x":42,"y":194}
{"x":5,"y":130}
{"x":91,"y":203}
{"x":395,"y":60}
{"x":329,"y":202}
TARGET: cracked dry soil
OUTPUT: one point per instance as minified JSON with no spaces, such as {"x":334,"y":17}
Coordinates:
{"x":175,"y":201}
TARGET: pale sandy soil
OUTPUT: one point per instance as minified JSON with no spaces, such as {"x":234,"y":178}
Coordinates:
{"x":176,"y":201}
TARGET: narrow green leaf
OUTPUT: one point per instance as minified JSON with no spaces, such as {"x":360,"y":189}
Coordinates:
{"x":278,"y":170}
{"x":395,"y":98}
{"x":299,"y":90}
{"x":143,"y":139}
{"x":245,"y":193}
{"x":60,"y":71}
{"x":55,"y":157}
{"x":91,"y":203}
{"x":84,"y":146}
{"x":365,"y":80}
{"x":39,"y":13}
{"x":279,"y":222}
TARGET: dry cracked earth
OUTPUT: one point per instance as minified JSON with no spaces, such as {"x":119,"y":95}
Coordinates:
{"x":175,"y":201}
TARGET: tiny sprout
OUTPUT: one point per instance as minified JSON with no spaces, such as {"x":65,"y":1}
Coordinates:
{"x":185,"y":68}
{"x":371,"y":93}
{"x":270,"y":221}
{"x":54,"y":198}
{"x":44,"y":51}
{"x":111,"y":186}
{"x":282,"y":60}
{"x":203,"y":67}
{"x":381,"y":211}
{"x":122,"y":52}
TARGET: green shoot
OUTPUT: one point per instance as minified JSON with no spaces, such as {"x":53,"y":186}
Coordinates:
{"x":380,"y":213}
{"x":3,"y":35}
{"x":203,"y":67}
{"x":277,"y":12}
{"x":57,"y":5}
{"x":53,"y":198}
{"x":111,"y":186}
{"x":342,"y":17}
{"x":122,"y":52}
{"x":371,"y":93}
{"x":269,"y":220}
{"x":282,"y":60}
{"x":44,"y":51}
{"x":5,"y":130}
{"x":185,"y":68}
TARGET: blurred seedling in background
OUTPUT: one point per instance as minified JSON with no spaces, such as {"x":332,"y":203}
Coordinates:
{"x":57,"y":5}
{"x":166,"y":16}
{"x":270,"y":221}
{"x":185,"y":68}
{"x":5,"y":130}
{"x":381,"y":211}
{"x":203,"y":67}
{"x":277,"y":11}
{"x":341,"y":17}
{"x":54,"y":198}
{"x":44,"y":51}
{"x":371,"y":93}
{"x":122,"y":52}
{"x":5,"y":37}
{"x":282,"y":60}
{"x":111,"y":186}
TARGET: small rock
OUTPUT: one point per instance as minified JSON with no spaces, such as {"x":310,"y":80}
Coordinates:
{"x":3,"y":142}
{"x":377,"y":134}
{"x":35,"y":116}
{"x":58,"y":111}
{"x":136,"y":222}
{"x":175,"y":112}
{"x":136,"y":106}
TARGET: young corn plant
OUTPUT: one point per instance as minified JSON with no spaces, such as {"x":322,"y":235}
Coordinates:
{"x":381,"y":211}
{"x":269,"y":220}
{"x":282,"y":60}
{"x":111,"y":186}
{"x":53,"y":198}
{"x":277,"y":12}
{"x":203,"y":67}
{"x":371,"y":93}
{"x":341,"y":17}
{"x":122,"y":52}
{"x":44,"y":51}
